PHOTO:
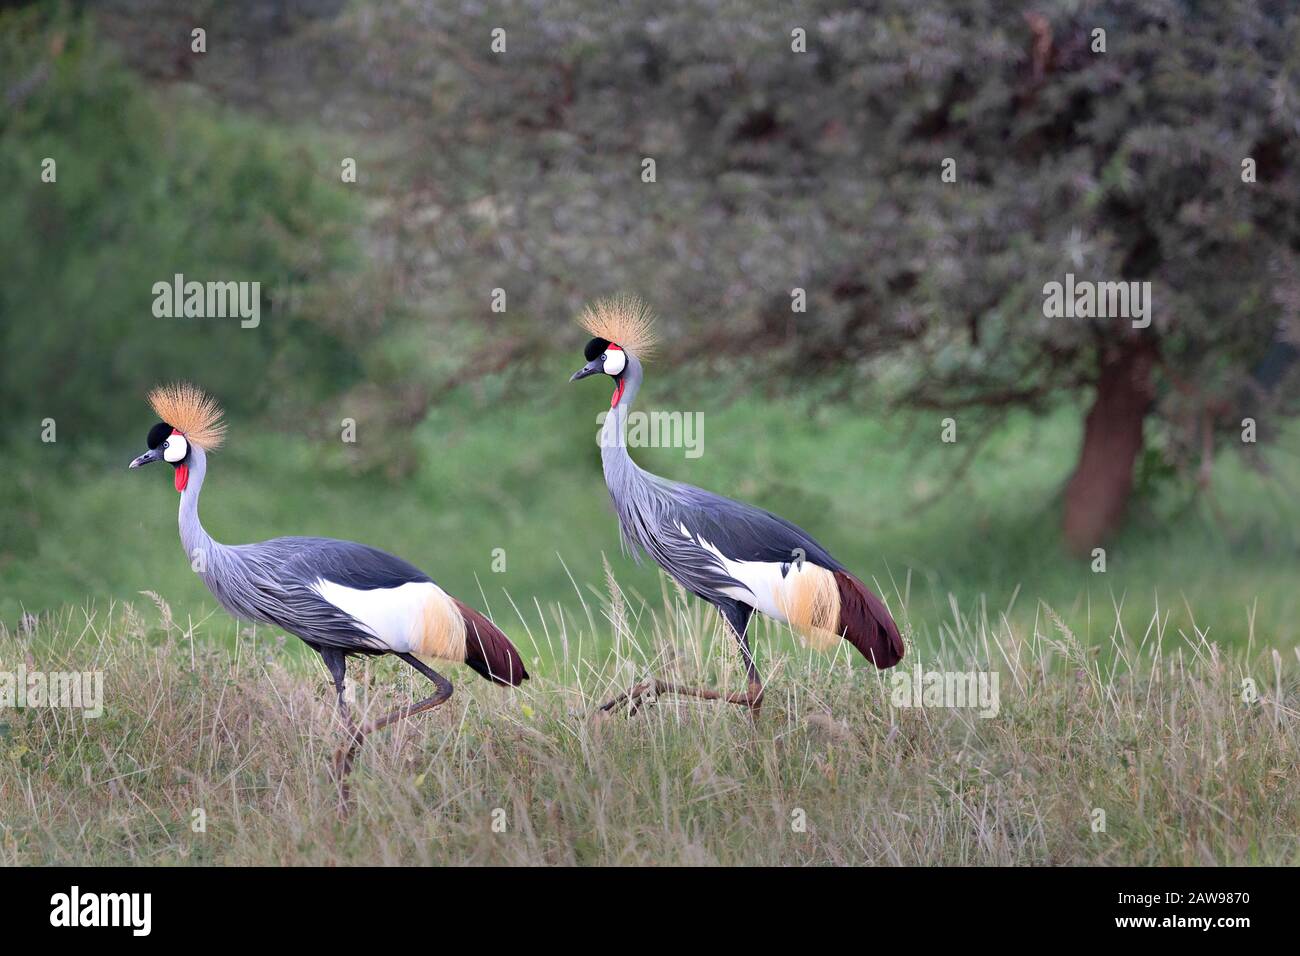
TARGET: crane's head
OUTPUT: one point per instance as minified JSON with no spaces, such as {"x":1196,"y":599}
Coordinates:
{"x":190,"y":420}
{"x":623,"y":334}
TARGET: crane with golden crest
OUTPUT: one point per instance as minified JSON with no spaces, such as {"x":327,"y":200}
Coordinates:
{"x":739,"y":558}
{"x":341,"y":598}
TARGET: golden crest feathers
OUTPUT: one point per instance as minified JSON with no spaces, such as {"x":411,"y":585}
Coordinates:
{"x":624,"y":320}
{"x":187,"y":409}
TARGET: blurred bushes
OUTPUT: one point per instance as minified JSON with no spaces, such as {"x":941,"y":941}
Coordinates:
{"x":150,"y":184}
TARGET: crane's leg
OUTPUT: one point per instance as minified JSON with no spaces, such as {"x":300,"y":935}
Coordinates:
{"x":737,"y":616}
{"x":344,"y":757}
{"x":336,"y":663}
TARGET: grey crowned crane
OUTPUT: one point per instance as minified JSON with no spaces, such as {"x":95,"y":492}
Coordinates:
{"x":339,"y":597}
{"x":737,"y":557}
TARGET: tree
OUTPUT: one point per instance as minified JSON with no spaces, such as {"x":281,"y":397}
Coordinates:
{"x":1157,"y":153}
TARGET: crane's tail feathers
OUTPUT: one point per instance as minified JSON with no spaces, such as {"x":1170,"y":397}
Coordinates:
{"x":866,"y":623}
{"x":488,"y":651}
{"x":825,"y":605}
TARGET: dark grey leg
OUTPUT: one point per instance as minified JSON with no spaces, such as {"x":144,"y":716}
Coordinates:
{"x":336,"y":664}
{"x":343,"y":759}
{"x":737,"y":615}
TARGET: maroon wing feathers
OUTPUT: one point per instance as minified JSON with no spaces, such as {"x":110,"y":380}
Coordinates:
{"x":866,"y":623}
{"x":488,"y":651}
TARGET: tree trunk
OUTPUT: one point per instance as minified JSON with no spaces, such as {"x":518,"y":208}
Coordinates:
{"x":1099,"y":489}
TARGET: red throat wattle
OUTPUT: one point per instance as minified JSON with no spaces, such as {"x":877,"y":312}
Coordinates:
{"x":618,"y":393}
{"x":182,"y":470}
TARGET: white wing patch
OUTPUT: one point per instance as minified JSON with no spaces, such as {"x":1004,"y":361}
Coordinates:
{"x":762,"y":580}
{"x":394,"y":615}
{"x":805,"y":596}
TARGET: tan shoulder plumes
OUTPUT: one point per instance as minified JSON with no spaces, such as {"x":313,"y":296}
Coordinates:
{"x":187,"y":409}
{"x":624,"y":320}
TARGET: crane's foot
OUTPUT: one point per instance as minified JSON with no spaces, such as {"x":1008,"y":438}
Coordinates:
{"x":647,"y":692}
{"x":345,"y":801}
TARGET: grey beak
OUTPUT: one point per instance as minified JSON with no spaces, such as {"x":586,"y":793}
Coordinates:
{"x":150,"y":455}
{"x":591,"y":368}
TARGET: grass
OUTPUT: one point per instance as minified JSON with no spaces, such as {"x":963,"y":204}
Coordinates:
{"x":1149,"y":727}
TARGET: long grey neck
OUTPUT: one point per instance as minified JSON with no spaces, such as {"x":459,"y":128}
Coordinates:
{"x":621,"y":472}
{"x":198,"y":544}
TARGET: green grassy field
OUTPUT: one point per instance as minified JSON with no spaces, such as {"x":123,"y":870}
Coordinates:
{"x":521,"y":473}
{"x":1121,"y":692}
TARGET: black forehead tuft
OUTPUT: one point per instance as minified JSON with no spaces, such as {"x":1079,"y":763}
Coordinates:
{"x":158,"y":434}
{"x":594,"y":348}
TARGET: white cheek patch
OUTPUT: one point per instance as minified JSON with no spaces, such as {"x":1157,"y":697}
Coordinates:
{"x":615,"y":360}
{"x":175,"y":448}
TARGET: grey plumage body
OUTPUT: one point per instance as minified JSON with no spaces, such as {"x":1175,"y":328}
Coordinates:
{"x":737,"y":557}
{"x":271,"y":581}
{"x":339,"y":597}
{"x":670,"y":520}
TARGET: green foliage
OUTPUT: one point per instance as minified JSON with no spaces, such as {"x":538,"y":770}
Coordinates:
{"x":149,"y":185}
{"x":1123,"y":164}
{"x":822,"y":170}
{"x":521,"y":170}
